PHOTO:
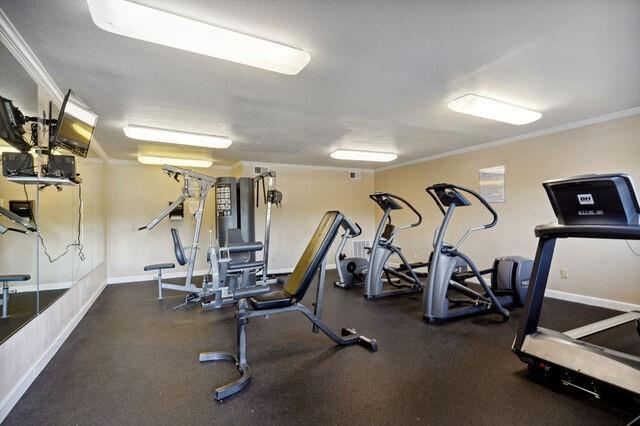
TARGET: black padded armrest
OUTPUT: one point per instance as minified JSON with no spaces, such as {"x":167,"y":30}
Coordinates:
{"x":244,"y":293}
{"x":14,"y":278}
{"x":159,"y":266}
{"x":244,"y":247}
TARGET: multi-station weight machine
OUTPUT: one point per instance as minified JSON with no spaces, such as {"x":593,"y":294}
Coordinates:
{"x":234,"y":246}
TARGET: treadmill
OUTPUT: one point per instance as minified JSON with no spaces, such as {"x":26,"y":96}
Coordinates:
{"x":589,"y":206}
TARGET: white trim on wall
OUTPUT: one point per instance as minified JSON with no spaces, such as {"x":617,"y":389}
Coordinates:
{"x":32,"y":372}
{"x":592,"y":301}
{"x":556,"y":129}
{"x":42,"y":287}
{"x":137,"y":163}
{"x":303,"y":166}
{"x":182,"y":274}
{"x":13,"y":41}
{"x":18,"y":47}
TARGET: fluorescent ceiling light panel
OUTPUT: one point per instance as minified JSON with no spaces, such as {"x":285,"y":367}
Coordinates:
{"x":175,"y":136}
{"x":494,"y":110}
{"x":180,"y":162}
{"x":155,"y":26}
{"x":345,"y":154}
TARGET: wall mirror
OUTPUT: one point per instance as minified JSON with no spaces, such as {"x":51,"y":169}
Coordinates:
{"x":51,"y":235}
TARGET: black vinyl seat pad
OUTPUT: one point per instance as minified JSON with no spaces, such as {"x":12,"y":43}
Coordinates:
{"x":157,"y":266}
{"x":306,"y":268}
{"x":13,"y":278}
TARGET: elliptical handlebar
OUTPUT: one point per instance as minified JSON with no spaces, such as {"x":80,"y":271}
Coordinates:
{"x":378,"y":197}
{"x":353,"y":227}
{"x":457,"y":199}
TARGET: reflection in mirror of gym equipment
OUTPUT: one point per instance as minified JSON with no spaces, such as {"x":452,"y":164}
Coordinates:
{"x":36,"y":163}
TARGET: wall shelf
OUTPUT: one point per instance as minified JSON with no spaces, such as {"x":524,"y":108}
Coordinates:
{"x":43,"y":180}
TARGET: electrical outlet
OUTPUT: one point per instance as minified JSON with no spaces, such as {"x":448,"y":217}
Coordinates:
{"x":564,"y":273}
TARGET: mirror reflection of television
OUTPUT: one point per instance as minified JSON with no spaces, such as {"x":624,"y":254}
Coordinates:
{"x":11,"y":121}
{"x":73,"y":129}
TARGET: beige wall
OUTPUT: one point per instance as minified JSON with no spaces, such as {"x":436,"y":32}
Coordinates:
{"x":604,"y":269}
{"x":137,"y":193}
{"x":308,"y":192}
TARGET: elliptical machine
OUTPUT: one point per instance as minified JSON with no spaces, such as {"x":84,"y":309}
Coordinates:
{"x":509,"y":275}
{"x":404,"y":278}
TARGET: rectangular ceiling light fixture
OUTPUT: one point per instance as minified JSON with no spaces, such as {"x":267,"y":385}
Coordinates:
{"x":178,"y":162}
{"x":176,"y":136}
{"x":345,"y":154}
{"x":494,"y":110}
{"x":155,"y":26}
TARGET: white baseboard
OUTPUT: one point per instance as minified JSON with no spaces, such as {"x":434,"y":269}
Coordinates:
{"x":21,"y":387}
{"x":592,"y":301}
{"x":182,"y":274}
{"x":152,"y":276}
{"x":579,"y":298}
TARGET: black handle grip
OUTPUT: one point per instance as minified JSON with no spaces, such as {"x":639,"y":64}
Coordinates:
{"x":444,"y":186}
{"x":405,"y":202}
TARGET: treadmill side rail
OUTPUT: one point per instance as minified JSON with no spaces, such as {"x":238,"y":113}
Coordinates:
{"x":605,"y":324}
{"x":609,"y":366}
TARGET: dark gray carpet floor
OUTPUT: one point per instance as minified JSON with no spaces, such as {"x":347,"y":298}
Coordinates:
{"x":133,"y":360}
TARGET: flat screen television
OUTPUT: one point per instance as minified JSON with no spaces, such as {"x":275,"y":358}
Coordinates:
{"x":11,"y":122}
{"x":73,"y":129}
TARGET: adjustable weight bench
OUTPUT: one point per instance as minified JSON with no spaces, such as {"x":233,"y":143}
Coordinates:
{"x":261,"y":301}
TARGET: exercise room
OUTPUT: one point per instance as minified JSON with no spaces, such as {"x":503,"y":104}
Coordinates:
{"x":319,"y":212}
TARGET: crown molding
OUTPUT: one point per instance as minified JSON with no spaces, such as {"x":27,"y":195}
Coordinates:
{"x":116,"y":162}
{"x":18,"y":47}
{"x":551,"y":130}
{"x":304,"y":166}
{"x":13,"y":41}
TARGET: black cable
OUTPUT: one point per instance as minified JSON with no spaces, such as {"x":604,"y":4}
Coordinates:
{"x":77,"y":243}
{"x":631,"y":248}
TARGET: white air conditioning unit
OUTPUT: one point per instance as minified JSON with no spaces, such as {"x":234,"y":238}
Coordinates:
{"x":258,"y":170}
{"x":353,"y":175}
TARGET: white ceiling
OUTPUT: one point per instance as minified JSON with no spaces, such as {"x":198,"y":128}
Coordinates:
{"x":380,"y":77}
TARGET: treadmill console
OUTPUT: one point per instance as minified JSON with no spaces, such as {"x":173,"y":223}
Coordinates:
{"x":597,"y":199}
